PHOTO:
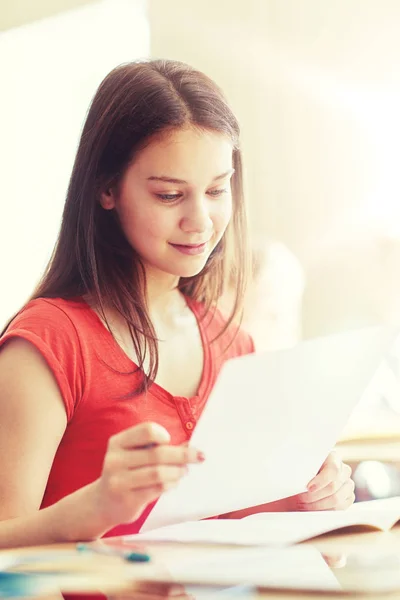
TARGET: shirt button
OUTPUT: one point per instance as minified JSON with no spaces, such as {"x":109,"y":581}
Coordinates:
{"x":189,"y":425}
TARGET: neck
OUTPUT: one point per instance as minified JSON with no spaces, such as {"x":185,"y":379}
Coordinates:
{"x":162,"y":293}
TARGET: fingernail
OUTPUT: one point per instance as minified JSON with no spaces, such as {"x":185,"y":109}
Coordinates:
{"x":201,"y":457}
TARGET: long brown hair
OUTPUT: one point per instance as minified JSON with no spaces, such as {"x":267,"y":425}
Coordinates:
{"x":92,"y":256}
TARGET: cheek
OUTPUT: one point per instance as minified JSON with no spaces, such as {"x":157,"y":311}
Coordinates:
{"x":140,"y":222}
{"x":222,"y":215}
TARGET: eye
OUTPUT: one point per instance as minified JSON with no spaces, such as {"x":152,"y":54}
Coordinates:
{"x":168,"y":197}
{"x":216,"y":193}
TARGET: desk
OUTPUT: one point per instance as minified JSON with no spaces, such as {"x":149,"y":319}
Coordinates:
{"x":113,"y":577}
{"x":384,"y":450}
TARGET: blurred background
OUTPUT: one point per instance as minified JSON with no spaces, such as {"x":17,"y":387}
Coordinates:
{"x":316,"y":87}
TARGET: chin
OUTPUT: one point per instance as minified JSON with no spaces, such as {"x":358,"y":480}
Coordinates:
{"x":190,"y":271}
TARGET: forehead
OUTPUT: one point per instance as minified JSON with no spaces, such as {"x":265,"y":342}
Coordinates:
{"x":186,"y":154}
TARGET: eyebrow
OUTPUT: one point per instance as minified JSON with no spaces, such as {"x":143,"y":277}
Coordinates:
{"x":175,"y":180}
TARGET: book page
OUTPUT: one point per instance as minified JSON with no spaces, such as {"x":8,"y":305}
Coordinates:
{"x":278,"y":529}
{"x":270,"y":422}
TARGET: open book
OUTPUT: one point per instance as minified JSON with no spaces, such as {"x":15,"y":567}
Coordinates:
{"x":279,"y":529}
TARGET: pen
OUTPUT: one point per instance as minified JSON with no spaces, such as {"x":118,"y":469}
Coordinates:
{"x":130,"y":556}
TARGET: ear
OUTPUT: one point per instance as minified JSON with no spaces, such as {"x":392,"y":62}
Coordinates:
{"x":107,"y":199}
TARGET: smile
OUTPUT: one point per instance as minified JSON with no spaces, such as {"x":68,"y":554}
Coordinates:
{"x":190,"y":248}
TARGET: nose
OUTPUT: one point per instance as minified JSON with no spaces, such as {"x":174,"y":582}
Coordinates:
{"x":197,"y":218}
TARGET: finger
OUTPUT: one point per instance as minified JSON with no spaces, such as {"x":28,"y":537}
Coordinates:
{"x":158,"y":475}
{"x":146,"y":495}
{"x":167,"y":455}
{"x":141,"y":435}
{"x":330,"y":471}
{"x":159,"y":455}
{"x":320,"y":494}
{"x":331,"y":488}
{"x":340,"y":500}
{"x":333,"y":458}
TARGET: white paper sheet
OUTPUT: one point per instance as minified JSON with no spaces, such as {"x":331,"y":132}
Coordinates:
{"x":270,"y":422}
{"x":299,"y":567}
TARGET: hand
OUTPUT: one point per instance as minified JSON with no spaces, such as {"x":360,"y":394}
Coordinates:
{"x":331,"y":489}
{"x":139,"y":465}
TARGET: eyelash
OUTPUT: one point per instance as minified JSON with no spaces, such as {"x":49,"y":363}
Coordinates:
{"x":172,"y":197}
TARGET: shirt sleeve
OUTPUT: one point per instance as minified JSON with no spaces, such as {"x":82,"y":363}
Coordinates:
{"x":52,"y":332}
{"x":247,"y":342}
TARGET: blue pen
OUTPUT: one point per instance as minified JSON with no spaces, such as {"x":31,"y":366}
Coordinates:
{"x":130,"y":556}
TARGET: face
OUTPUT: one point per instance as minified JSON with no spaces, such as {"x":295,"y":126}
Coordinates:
{"x":174,"y":202}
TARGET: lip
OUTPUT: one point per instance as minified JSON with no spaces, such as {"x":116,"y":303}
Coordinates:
{"x":192,"y":249}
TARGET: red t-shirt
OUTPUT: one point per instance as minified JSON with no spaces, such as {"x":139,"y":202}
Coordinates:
{"x":96,"y":377}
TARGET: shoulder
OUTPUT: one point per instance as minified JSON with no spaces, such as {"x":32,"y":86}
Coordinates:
{"x":52,"y":310}
{"x":56,"y":327}
{"x":236,"y":339}
{"x":48,"y":316}
{"x":52,"y":327}
{"x":229,"y":337}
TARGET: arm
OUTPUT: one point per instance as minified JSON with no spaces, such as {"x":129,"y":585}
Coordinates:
{"x":284,"y":505}
{"x":32,"y":423}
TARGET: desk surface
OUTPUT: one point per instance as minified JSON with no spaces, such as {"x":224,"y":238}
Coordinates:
{"x":379,"y":553}
{"x":115,"y":577}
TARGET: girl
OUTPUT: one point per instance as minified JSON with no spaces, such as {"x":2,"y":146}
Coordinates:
{"x":105,"y":371}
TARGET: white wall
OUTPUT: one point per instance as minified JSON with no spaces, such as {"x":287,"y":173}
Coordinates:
{"x":14,"y":13}
{"x":49,"y":73}
{"x":316,"y":87}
